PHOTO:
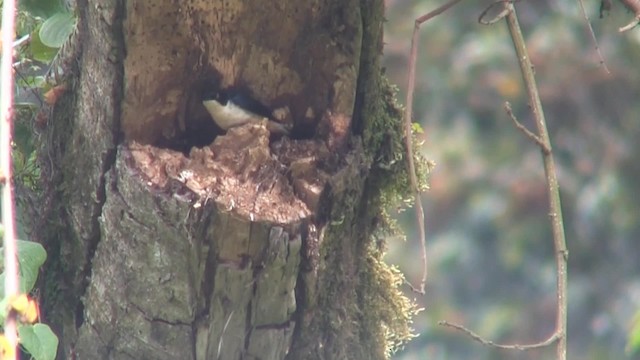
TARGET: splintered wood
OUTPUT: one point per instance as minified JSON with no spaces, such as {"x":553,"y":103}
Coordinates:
{"x":241,"y":172}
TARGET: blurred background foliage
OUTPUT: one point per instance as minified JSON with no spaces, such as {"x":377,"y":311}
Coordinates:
{"x":42,"y":27}
{"x":489,"y":241}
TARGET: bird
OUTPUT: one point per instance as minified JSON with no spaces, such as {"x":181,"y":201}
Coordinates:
{"x":232,"y":109}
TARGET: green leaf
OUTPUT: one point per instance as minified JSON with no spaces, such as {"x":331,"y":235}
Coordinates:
{"x":633,"y":343}
{"x":56,"y":30}
{"x":39,"y":341}
{"x":42,"y":8}
{"x":40,"y":51}
{"x":31,"y":256}
{"x":4,"y":309}
{"x":27,"y":82}
{"x":23,"y":138}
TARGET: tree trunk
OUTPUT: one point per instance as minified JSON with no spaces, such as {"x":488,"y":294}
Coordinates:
{"x":174,"y":240}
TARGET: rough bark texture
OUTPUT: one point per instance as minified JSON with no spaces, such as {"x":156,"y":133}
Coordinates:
{"x":175,"y":246}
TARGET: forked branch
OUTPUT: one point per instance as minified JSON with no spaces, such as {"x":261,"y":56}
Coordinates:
{"x":555,"y":212}
{"x":559,"y":336}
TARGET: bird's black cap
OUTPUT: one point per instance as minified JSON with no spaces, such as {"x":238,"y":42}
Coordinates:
{"x":248,"y":103}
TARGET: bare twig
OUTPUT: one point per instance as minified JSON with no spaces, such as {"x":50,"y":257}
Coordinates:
{"x":633,"y":6}
{"x":496,"y":18}
{"x":630,"y":25}
{"x":559,"y":336}
{"x":593,"y":37}
{"x":6,"y":131}
{"x":504,"y":12}
{"x":553,"y":338}
{"x":535,"y":138}
{"x":408,"y":138}
{"x":555,"y":213}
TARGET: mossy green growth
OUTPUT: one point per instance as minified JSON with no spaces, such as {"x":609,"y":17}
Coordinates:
{"x":385,"y":302}
{"x":390,"y":187}
{"x":389,"y":179}
{"x":382,"y":312}
{"x":387,"y":136}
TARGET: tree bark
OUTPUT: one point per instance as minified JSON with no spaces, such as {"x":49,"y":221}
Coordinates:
{"x":176,"y":241}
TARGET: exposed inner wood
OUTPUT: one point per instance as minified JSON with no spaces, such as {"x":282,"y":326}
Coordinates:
{"x":242,"y":173}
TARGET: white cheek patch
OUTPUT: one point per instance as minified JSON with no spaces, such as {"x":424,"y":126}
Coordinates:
{"x":230,"y":115}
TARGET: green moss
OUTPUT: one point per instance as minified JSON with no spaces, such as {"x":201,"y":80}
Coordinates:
{"x":357,"y":297}
{"x":354,"y":308}
{"x":386,"y":303}
{"x":388,"y":186}
{"x":390,"y":159}
{"x":382,"y":310}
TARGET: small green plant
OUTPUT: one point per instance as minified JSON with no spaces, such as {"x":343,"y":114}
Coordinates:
{"x":42,"y":27}
{"x":36,"y":338}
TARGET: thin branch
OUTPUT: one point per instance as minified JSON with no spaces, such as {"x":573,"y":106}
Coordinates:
{"x":555,"y":213}
{"x":633,"y":6}
{"x":6,"y":131}
{"x":593,"y":37}
{"x":535,"y":138}
{"x":553,"y":338}
{"x":496,"y":18}
{"x":408,"y":138}
{"x":630,"y":25}
{"x":424,"y":18}
{"x":542,"y":140}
